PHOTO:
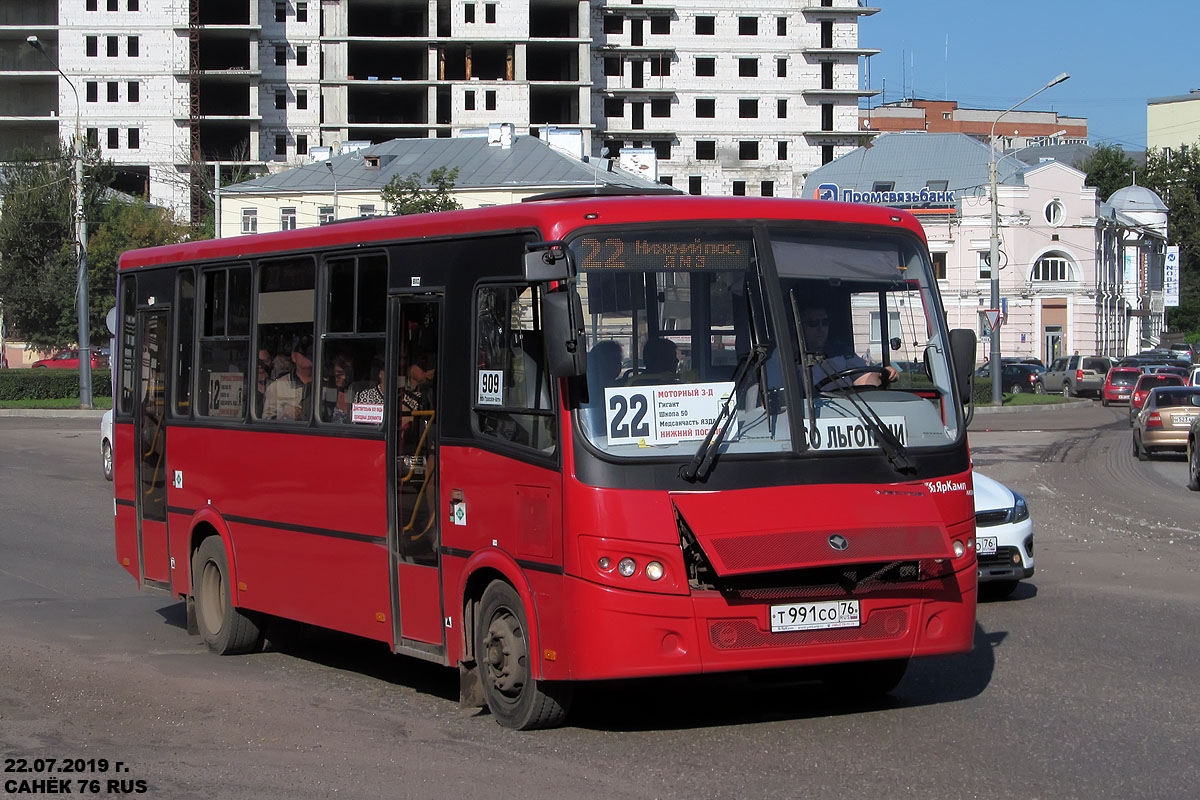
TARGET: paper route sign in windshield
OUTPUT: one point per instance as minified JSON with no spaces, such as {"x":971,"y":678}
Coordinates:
{"x":664,"y":413}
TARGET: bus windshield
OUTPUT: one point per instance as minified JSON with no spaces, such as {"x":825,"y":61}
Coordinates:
{"x":813,"y":342}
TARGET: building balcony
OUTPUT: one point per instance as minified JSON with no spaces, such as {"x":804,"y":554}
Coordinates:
{"x":856,"y":11}
{"x":641,"y":49}
{"x":630,"y":92}
{"x":833,"y":52}
{"x":836,"y":93}
{"x":852,"y":134}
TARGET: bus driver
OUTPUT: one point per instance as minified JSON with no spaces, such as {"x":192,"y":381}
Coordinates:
{"x":829,"y":361}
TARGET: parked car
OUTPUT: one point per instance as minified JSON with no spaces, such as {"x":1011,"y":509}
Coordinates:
{"x":1194,"y":377}
{"x":1003,"y":538}
{"x":1165,"y":420}
{"x":106,"y":449}
{"x":1074,"y":375}
{"x":1182,"y":350}
{"x":1018,"y":378}
{"x":69,"y":359}
{"x":1146,"y":360}
{"x":1141,"y":390}
{"x":1118,"y":385}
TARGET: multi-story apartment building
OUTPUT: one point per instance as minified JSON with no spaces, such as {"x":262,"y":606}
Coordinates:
{"x":732,"y":98}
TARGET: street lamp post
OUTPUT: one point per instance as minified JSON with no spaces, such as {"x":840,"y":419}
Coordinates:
{"x":81,"y":299}
{"x":994,"y":254}
{"x":332,"y":174}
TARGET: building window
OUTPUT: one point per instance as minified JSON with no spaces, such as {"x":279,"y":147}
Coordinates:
{"x":112,"y":45}
{"x":325,"y":214}
{"x":132,"y":5}
{"x":826,"y":74}
{"x":706,"y":67}
{"x":280,"y":98}
{"x":302,"y":98}
{"x":1055,"y":213}
{"x":302,"y":144}
{"x":91,"y":5}
{"x":90,"y":46}
{"x":134,"y":138}
{"x":614,"y":107}
{"x":302,"y":55}
{"x":748,"y":108}
{"x":939,"y":265}
{"x":93,"y":137}
{"x":1051,"y":267}
{"x":781,"y":150}
{"x":113,"y":91}
{"x":706,"y":108}
{"x":134,"y":90}
{"x":985,"y":265}
{"x":666,"y":180}
{"x":660,"y":66}
{"x":114,"y":138}
{"x":366,"y":210}
{"x":781,"y":108}
{"x":660,"y":24}
{"x":489,"y":13}
{"x":781,"y":26}
{"x":131,"y":46}
{"x":280,"y":12}
{"x":280,"y":55}
{"x":739,"y":188}
{"x":767,"y":188}
{"x":301,"y":12}
{"x":660,"y":107}
{"x":827,"y":116}
{"x":662,"y":150}
{"x":249,"y":220}
{"x":937,"y":185}
{"x":114,"y":5}
{"x":893,"y":325}
{"x":748,"y":151}
{"x":694,"y":184}
{"x":92,"y":89}
{"x":748,"y":67}
{"x":826,"y":153}
{"x":706,"y":150}
{"x":469,"y":101}
{"x":883,"y":186}
{"x":287,"y":219}
{"x":469,"y":14}
{"x":706,"y":26}
{"x":781,"y":68}
{"x":489,"y":100}
{"x":612,"y":66}
{"x":280,"y":144}
{"x":747,"y":26}
{"x":827,"y":34}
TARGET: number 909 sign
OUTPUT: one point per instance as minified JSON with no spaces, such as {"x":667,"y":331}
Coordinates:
{"x":663,"y":414}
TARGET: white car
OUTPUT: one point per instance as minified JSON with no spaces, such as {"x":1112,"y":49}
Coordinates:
{"x":1003,"y":538}
{"x":106,"y":453}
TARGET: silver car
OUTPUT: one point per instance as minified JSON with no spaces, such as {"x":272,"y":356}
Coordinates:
{"x":106,"y":449}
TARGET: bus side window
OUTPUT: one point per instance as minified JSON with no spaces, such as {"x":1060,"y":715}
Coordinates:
{"x":513,"y":400}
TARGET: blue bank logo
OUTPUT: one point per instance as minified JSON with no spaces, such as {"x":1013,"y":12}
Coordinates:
{"x":923,"y":197}
{"x":827,"y":191}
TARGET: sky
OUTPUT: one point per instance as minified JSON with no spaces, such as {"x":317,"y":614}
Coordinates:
{"x":991,"y":55}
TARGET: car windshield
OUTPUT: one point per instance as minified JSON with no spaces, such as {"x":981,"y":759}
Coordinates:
{"x":1166,"y":397}
{"x":1123,"y":378}
{"x":674,"y":316}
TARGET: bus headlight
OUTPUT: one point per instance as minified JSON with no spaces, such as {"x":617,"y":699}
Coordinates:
{"x":959,"y":548}
{"x":626,"y":566}
{"x":654,"y":570}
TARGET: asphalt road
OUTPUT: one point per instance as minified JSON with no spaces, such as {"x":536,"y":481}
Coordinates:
{"x":1083,"y":684}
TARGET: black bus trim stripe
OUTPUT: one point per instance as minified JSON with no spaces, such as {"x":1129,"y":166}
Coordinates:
{"x":283,"y":526}
{"x":535,"y":566}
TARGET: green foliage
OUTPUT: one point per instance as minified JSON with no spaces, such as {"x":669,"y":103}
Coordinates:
{"x":38,"y":264}
{"x":1175,"y":177}
{"x":1108,"y":169}
{"x":411,"y":195}
{"x":50,"y":384}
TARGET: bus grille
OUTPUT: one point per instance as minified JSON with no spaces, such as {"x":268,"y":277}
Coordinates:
{"x":781,"y":550}
{"x":847,"y":580}
{"x":735,"y":634}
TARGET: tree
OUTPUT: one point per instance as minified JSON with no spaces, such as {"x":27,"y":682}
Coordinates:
{"x":1108,"y":169}
{"x":38,"y":262}
{"x":411,"y":195}
{"x":1174,"y":175}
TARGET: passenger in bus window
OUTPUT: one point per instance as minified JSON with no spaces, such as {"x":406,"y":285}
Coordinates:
{"x":603,"y":371}
{"x":832,"y":358}
{"x":660,"y":359}
{"x":290,"y":396}
{"x":335,"y":397}
{"x":417,"y":395}
{"x":264,"y":380}
{"x":373,"y":395}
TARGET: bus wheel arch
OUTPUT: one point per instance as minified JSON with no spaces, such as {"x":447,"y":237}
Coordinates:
{"x":506,"y":663}
{"x":225,"y":629}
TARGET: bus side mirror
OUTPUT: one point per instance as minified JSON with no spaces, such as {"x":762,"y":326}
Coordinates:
{"x":566,"y":350}
{"x":962,"y":352}
{"x":547,"y":261}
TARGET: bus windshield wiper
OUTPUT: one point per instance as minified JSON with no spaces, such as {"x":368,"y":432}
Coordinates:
{"x":887,"y":440}
{"x":701,"y":463}
{"x":810,"y":405}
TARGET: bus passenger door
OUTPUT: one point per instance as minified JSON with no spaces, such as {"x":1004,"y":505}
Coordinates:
{"x":415,"y":532}
{"x":150,"y":436}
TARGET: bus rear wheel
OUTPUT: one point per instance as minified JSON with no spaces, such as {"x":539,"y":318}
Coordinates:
{"x":225,"y":630}
{"x":502,"y":652}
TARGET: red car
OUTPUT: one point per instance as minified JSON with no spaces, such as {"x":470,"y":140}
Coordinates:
{"x":1141,"y":390}
{"x":1118,"y":384}
{"x":69,"y":359}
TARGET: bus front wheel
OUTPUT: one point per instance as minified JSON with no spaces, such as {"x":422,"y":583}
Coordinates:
{"x":502,"y":652}
{"x":225,"y":630}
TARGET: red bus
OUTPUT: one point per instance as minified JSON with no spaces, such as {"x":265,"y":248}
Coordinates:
{"x":563,"y":440}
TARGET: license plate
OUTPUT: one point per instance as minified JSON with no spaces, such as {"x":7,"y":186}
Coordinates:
{"x":815,"y":616}
{"x":1181,"y":419}
{"x":985,"y":545}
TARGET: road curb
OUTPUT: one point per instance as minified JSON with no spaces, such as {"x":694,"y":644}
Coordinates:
{"x":1070,"y":404}
{"x":50,"y":413}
